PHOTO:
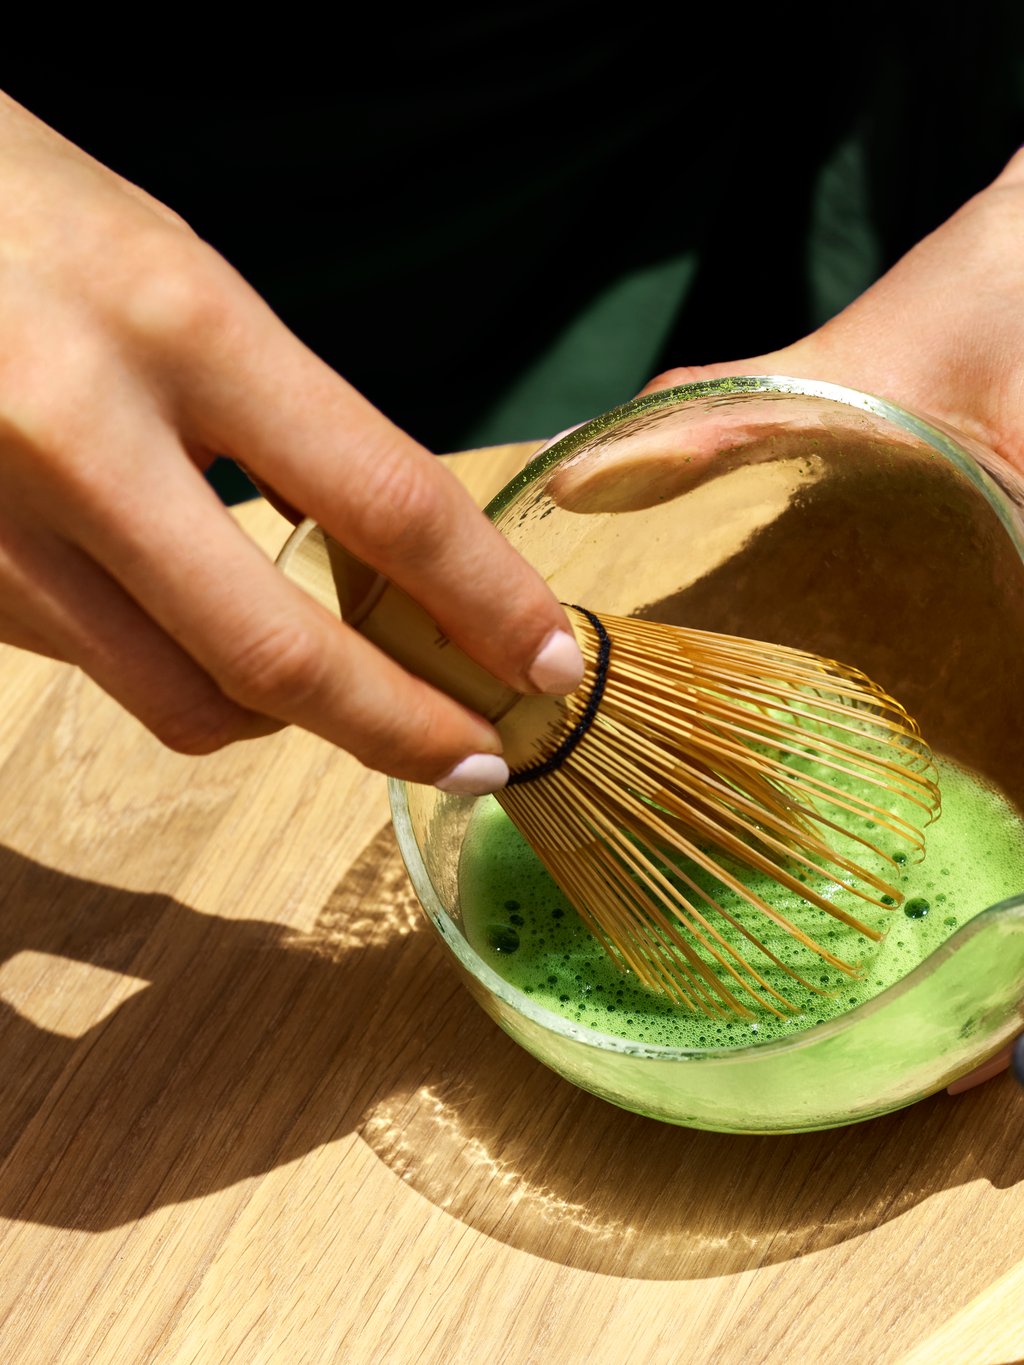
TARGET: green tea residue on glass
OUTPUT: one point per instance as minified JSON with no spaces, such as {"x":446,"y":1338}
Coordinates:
{"x":520,"y":923}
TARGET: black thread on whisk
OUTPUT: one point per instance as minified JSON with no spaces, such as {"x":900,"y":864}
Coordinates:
{"x":585,"y":721}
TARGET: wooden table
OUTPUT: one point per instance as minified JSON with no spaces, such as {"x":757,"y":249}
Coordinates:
{"x":249,"y":1115}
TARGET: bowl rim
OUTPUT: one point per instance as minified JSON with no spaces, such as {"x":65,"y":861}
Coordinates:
{"x":960,"y":451}
{"x":522,"y":1004}
{"x":989,"y":472}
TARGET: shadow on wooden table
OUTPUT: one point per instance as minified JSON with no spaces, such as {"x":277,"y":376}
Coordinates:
{"x":251,"y":1046}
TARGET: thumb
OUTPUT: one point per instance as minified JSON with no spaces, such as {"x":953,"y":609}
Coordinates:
{"x":695,"y":374}
{"x":658,"y":464}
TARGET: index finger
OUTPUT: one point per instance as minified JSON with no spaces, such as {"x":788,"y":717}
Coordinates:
{"x":259,"y":395}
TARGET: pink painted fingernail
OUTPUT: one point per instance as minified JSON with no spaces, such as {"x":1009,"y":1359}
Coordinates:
{"x":558,"y":665}
{"x":477,"y":775}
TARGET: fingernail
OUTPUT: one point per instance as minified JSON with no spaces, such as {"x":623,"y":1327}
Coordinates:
{"x":476,"y":775}
{"x":977,"y":1077}
{"x":558,"y":666}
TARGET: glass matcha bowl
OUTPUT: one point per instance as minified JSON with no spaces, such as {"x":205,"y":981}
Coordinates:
{"x":828,"y":520}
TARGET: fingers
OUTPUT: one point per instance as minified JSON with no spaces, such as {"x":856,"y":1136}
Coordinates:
{"x":995,"y":1066}
{"x":61,"y":604}
{"x":22,"y":636}
{"x":206,"y":643}
{"x":264,"y":646}
{"x":209,"y":647}
{"x":136,"y":353}
{"x":262,"y":398}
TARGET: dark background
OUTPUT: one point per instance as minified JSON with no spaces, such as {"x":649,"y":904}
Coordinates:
{"x":499,"y":225}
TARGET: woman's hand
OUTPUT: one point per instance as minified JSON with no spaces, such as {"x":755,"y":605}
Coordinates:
{"x":942,"y":332}
{"x":130,"y":355}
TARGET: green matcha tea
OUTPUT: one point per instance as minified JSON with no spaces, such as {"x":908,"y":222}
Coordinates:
{"x":521,"y":924}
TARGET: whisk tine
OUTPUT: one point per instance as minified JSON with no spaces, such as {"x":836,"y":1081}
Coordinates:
{"x":692,"y":767}
{"x":689,"y":768}
{"x":688,"y":765}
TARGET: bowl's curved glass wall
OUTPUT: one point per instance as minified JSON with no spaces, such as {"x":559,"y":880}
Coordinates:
{"x":830,"y":521}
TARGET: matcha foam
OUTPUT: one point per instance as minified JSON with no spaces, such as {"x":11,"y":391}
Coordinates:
{"x":520,"y":923}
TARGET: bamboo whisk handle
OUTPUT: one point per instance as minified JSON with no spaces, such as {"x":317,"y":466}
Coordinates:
{"x":530,"y":726}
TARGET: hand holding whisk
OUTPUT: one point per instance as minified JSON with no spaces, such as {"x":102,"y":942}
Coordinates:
{"x":683,"y":758}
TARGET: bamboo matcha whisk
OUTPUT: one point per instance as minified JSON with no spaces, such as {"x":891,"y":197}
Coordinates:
{"x":682,"y":751}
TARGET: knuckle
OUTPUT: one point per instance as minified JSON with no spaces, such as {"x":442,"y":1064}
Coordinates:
{"x":176,"y":292}
{"x":276,"y":670}
{"x":403,"y":511}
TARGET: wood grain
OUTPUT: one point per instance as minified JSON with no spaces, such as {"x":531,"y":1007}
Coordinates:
{"x":989,"y":1329}
{"x":249,"y":1115}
